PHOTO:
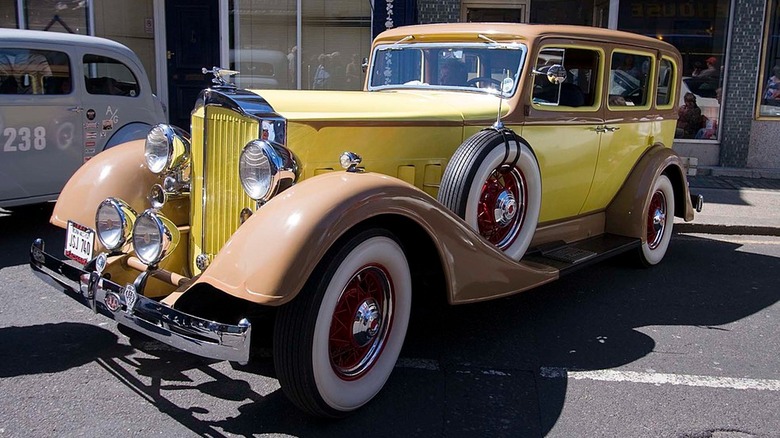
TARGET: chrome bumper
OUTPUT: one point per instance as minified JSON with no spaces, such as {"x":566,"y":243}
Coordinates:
{"x":186,"y":332}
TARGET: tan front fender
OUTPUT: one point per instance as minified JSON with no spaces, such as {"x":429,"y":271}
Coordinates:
{"x":270,"y":257}
{"x":119,"y":172}
{"x":625,"y":215}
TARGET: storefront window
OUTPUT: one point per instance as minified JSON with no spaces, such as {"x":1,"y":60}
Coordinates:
{"x":335,"y":36}
{"x":769,"y":98}
{"x":69,"y":16}
{"x":698,"y":29}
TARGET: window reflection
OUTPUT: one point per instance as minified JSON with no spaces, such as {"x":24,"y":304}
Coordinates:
{"x":699,"y":31}
{"x":61,"y":16}
{"x":334,"y":36}
{"x":769,"y":97}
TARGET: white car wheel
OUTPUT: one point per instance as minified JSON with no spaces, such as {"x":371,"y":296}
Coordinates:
{"x":336,"y":344}
{"x":659,"y":220}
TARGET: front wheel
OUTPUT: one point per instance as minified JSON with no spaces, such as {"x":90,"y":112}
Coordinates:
{"x":336,"y":344}
{"x":659,"y":219}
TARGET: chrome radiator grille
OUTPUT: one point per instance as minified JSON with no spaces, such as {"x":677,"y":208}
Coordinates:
{"x":218,"y":137}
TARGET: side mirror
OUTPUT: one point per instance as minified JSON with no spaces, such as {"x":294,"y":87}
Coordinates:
{"x":555,"y":73}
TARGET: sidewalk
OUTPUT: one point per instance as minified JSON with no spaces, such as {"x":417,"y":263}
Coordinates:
{"x":735,"y":205}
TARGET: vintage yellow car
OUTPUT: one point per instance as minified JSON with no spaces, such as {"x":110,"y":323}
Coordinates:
{"x":480,"y":159}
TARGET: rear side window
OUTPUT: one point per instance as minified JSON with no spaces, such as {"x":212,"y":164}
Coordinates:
{"x":666,"y":81}
{"x":628,"y":82}
{"x":28,"y":71}
{"x":108,"y":76}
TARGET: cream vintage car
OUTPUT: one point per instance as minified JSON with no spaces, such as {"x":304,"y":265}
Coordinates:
{"x":481,"y":160}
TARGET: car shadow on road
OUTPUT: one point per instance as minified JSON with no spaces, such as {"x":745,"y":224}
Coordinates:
{"x":471,"y":370}
{"x":19,"y":224}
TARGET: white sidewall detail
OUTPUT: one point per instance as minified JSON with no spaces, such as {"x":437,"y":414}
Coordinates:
{"x":344,"y":395}
{"x":533,"y":180}
{"x":654,"y":256}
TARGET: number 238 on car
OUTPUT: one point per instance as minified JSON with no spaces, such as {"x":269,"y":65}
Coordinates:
{"x":479,"y":161}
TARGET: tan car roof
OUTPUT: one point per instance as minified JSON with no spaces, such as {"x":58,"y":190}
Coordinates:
{"x":514,"y":32}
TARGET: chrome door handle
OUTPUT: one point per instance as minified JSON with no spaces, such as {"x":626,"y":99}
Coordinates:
{"x":611,"y":128}
{"x":76,"y":109}
{"x":600,"y":129}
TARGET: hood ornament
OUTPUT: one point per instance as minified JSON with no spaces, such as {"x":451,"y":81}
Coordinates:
{"x":222,"y":76}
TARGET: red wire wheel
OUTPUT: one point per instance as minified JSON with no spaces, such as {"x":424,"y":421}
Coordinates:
{"x":656,"y":219}
{"x":361,"y":321}
{"x":502,"y":206}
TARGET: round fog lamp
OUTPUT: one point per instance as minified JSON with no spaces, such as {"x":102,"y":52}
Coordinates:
{"x":113,"y":221}
{"x":154,"y":237}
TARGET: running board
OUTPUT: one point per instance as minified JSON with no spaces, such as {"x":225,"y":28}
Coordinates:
{"x":567,"y":258}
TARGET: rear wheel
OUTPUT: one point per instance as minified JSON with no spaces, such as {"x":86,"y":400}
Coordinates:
{"x":659,"y":219}
{"x":336,"y":344}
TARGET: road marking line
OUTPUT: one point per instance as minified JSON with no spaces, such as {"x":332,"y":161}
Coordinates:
{"x":616,"y":376}
{"x":663,"y":379}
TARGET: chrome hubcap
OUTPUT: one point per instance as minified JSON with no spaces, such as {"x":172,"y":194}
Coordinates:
{"x":505,"y":209}
{"x":367,"y":321}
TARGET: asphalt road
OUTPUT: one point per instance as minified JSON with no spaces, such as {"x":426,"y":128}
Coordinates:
{"x":686,"y":349}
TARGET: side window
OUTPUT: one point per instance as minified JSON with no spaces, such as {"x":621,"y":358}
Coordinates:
{"x":666,"y":81}
{"x":108,"y":76}
{"x":628,"y":79}
{"x":582,"y":72}
{"x":27,"y":71}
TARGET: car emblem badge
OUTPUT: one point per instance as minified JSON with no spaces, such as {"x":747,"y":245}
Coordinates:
{"x":130,"y":298}
{"x":100,"y":262}
{"x":113,"y":302}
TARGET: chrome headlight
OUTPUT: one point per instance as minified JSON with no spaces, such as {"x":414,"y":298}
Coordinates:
{"x":154,"y":237}
{"x":266,"y":169}
{"x":114,"y":220}
{"x":167,"y":148}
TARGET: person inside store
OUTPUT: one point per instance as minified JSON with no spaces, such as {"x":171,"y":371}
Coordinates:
{"x":711,"y":71}
{"x":689,"y":118}
{"x":709,"y":129}
{"x":772,"y":90}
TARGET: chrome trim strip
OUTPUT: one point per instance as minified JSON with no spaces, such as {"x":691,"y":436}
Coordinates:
{"x":180,"y":330}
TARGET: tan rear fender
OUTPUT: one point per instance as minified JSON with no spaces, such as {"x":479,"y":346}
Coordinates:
{"x":625,"y":215}
{"x":270,"y":257}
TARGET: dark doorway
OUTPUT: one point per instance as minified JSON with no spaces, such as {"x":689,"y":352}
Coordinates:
{"x":192,"y":35}
{"x":494,"y":15}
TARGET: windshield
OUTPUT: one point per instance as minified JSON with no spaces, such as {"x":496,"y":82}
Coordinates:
{"x":472,"y":67}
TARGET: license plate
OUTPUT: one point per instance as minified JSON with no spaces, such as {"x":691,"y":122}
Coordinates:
{"x":79,"y":243}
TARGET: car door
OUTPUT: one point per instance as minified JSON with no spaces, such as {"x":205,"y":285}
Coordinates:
{"x":563,"y":124}
{"x":41,"y":142}
{"x":633,"y":124}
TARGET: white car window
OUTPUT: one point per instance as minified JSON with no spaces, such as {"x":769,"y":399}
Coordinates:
{"x":29,"y":71}
{"x":105,"y":75}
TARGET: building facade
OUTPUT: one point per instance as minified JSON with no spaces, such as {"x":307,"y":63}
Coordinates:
{"x":730,"y":48}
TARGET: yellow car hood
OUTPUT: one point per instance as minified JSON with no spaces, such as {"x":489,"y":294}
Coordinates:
{"x":453,"y":106}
